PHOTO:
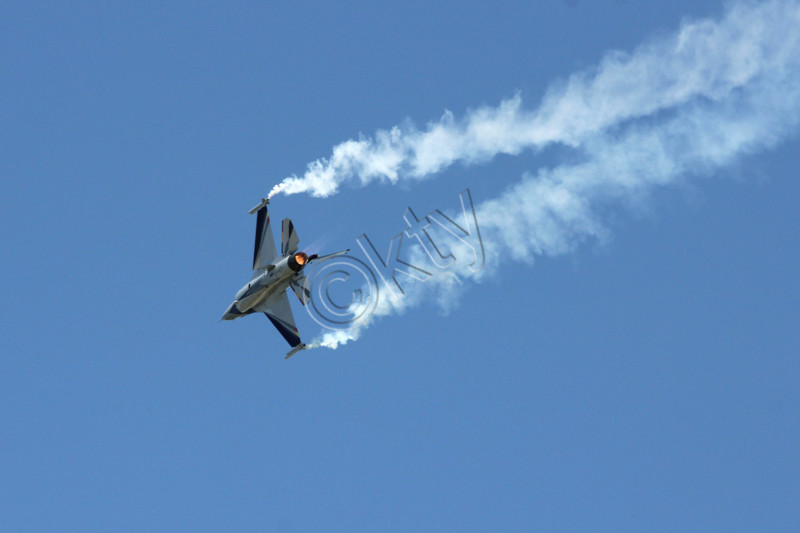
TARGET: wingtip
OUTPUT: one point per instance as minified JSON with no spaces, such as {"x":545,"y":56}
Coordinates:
{"x":301,"y":346}
{"x":264,"y":201}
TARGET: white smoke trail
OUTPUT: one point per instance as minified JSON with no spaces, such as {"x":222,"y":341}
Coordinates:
{"x":713,"y":93}
{"x":444,"y":288}
{"x":704,"y":60}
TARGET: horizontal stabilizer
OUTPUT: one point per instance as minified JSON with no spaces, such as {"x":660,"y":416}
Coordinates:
{"x":300,"y":289}
{"x":321,"y":258}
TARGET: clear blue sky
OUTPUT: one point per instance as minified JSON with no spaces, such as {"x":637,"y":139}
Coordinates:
{"x":644,"y":383}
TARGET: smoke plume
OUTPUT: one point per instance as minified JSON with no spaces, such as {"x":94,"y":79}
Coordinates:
{"x":676,"y":108}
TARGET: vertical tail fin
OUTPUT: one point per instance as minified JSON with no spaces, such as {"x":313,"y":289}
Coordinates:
{"x":289,"y":238}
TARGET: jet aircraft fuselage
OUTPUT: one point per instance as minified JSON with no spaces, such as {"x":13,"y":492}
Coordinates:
{"x":272,"y":283}
{"x":274,"y":272}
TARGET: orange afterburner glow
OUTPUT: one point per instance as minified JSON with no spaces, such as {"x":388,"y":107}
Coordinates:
{"x":301,"y":258}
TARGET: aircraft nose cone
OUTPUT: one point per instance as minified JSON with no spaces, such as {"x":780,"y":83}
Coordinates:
{"x":231,"y":312}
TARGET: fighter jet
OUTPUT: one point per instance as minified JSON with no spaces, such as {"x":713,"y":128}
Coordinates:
{"x":273,"y":274}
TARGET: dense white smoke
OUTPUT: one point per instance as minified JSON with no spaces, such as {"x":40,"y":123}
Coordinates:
{"x":704,"y":61}
{"x":676,"y":108}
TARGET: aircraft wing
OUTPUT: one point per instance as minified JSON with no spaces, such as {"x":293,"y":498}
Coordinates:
{"x":265,"y":252}
{"x":280,"y":314}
